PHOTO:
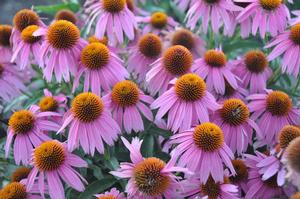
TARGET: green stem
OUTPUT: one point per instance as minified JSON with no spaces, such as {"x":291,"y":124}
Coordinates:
{"x":296,"y":87}
{"x":275,"y":76}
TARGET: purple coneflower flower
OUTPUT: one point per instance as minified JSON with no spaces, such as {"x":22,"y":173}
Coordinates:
{"x":112,"y":194}
{"x":132,"y":6}
{"x":20,"y":174}
{"x":193,"y":188}
{"x":115,"y":49}
{"x":5,"y":46}
{"x":144,"y":53}
{"x":245,"y":27}
{"x":273,"y":111}
{"x":150,"y":178}
{"x":176,"y":61}
{"x":114,"y":19}
{"x":157,"y":23}
{"x":287,"y":134}
{"x":254,"y":71}
{"x":67,"y":15}
{"x":241,"y":177}
{"x":215,"y":69}
{"x":126,"y":102}
{"x":60,"y":50}
{"x":18,"y":190}
{"x":239,"y":93}
{"x":257,"y":186}
{"x":202,"y":150}
{"x":288,"y":44}
{"x":91,"y":123}
{"x":22,"y":20}
{"x":27,"y":127}
{"x":53,"y":103}
{"x":52,"y":163}
{"x":216,"y":11}
{"x":270,"y":166}
{"x":188,"y":39}
{"x":26,"y":49}
{"x":101,"y":68}
{"x":234,"y":119}
{"x":267,"y":16}
{"x":187,"y":103}
{"x":11,"y":81}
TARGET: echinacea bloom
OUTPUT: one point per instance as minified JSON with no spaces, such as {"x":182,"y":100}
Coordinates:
{"x":11,"y":81}
{"x":269,"y":166}
{"x":17,"y":190}
{"x":132,"y":6}
{"x":239,"y":93}
{"x":245,"y":27}
{"x":52,"y":103}
{"x":52,"y":163}
{"x":112,"y":194}
{"x":101,"y":68}
{"x":126,"y":102}
{"x":147,"y":50}
{"x":5,"y":46}
{"x":26,"y":49}
{"x":203,"y":150}
{"x":90,"y":124}
{"x":157,"y":23}
{"x":27,"y":127}
{"x":188,"y":39}
{"x":234,"y":119}
{"x":150,"y":178}
{"x":241,"y":177}
{"x":176,"y":61}
{"x":20,"y":174}
{"x":254,"y":71}
{"x":288,"y":44}
{"x":114,"y":19}
{"x":272,"y":111}
{"x":193,"y":188}
{"x":257,"y":187}
{"x":186,"y":103}
{"x":215,"y":11}
{"x":22,"y":20}
{"x":216,"y":70}
{"x":67,"y":15}
{"x":287,"y":134}
{"x":115,"y":49}
{"x":60,"y":50}
{"x":183,"y":5}
{"x":267,"y":16}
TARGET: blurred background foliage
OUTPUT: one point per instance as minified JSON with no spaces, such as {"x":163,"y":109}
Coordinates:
{"x":99,"y":166}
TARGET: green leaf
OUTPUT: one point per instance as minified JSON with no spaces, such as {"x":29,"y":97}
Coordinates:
{"x":97,"y":172}
{"x":53,"y":9}
{"x":148,"y":145}
{"x":98,"y":186}
{"x":112,"y":163}
{"x":13,"y":104}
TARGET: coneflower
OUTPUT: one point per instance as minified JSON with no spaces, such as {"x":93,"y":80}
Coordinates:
{"x":90,"y":123}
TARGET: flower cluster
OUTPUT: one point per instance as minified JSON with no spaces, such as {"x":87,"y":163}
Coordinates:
{"x":129,"y":100}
